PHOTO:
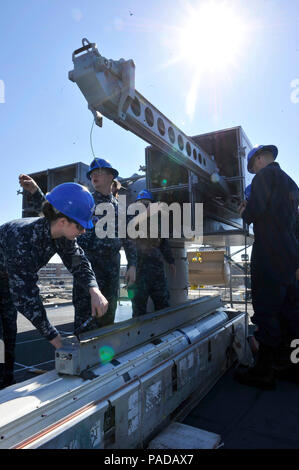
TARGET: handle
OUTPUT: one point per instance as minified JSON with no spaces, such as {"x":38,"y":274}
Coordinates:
{"x":86,"y":45}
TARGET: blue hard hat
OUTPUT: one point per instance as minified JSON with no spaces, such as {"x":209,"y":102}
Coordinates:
{"x":144,"y":194}
{"x":247,"y":192}
{"x":257,"y":149}
{"x":101,"y":163}
{"x":74,"y":201}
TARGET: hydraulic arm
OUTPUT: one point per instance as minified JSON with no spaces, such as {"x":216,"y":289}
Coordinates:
{"x":109,"y":88}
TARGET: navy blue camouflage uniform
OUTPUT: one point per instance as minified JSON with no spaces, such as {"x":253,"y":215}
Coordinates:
{"x":150,"y":276}
{"x":103,"y":253}
{"x":104,"y":256}
{"x":25,"y":247}
{"x":272,"y":208}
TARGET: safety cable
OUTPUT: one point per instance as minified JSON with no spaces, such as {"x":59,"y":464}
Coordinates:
{"x":90,"y":137}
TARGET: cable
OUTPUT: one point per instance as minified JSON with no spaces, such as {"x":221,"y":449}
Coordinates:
{"x":90,"y":138}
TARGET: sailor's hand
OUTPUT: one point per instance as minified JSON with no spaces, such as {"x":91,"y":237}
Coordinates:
{"x":99,"y":303}
{"x":297,"y":274}
{"x":56,"y":342}
{"x":130,"y":277}
{"x":28,"y":183}
{"x":242,"y":207}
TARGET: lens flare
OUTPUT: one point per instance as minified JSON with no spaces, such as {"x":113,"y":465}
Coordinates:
{"x":215,"y":178}
{"x":106,"y":354}
{"x":131,"y":291}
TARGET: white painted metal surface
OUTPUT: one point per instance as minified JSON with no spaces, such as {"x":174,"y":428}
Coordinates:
{"x":182,"y":436}
{"x":126,"y":403}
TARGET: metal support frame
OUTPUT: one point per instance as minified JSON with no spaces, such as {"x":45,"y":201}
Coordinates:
{"x":78,"y":355}
{"x":245,"y":271}
{"x":228,"y":256}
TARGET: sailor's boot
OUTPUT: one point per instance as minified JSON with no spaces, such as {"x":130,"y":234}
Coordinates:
{"x":289,"y":366}
{"x":290,"y":374}
{"x":8,"y":380}
{"x":7,"y":374}
{"x":282,"y":357}
{"x":261,"y":375}
{"x":1,"y":375}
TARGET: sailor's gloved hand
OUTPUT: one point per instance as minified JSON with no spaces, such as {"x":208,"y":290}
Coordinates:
{"x":28,"y":183}
{"x":99,"y":303}
{"x":56,"y":342}
{"x":241,"y":207}
{"x":130,"y":277}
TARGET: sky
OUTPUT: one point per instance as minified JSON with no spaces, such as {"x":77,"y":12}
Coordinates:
{"x":250,"y":77}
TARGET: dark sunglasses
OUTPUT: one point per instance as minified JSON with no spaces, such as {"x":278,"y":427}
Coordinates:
{"x":101,"y":171}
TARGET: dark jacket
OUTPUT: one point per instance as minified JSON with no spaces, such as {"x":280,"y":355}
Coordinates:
{"x":25,"y":247}
{"x":273,"y":209}
{"x":154,"y":249}
{"x":96,"y":247}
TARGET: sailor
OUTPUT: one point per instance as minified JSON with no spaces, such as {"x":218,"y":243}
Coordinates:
{"x":103,"y":253}
{"x":247,"y":192}
{"x":115,"y":187}
{"x":272,"y":208}
{"x":150,"y":276}
{"x":26,"y":245}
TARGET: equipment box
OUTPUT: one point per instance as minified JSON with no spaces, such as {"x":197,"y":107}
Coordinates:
{"x":48,"y":179}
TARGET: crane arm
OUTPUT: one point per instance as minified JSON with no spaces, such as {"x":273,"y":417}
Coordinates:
{"x":109,"y":88}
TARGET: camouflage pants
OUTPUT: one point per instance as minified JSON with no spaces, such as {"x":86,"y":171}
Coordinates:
{"x":106,"y":270}
{"x":8,"y":330}
{"x":150,"y":282}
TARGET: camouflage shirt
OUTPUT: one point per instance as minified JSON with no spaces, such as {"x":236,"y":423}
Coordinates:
{"x":25,"y":247}
{"x":154,"y":249}
{"x":90,"y":242}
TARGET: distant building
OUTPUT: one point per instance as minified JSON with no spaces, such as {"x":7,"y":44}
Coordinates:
{"x":54,"y":273}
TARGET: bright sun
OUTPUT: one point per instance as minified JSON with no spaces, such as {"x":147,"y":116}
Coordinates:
{"x":210,"y":41}
{"x":212,"y":35}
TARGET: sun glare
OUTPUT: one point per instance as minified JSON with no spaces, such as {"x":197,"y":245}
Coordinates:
{"x":212,"y":36}
{"x":210,"y":41}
